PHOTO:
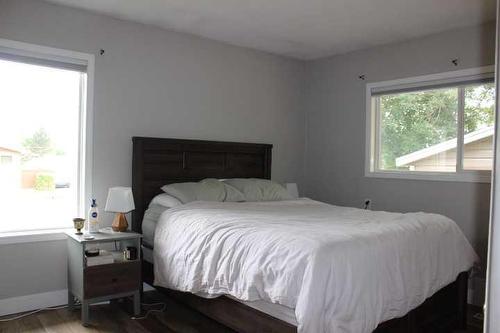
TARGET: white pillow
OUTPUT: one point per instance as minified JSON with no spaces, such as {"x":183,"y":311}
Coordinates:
{"x":233,"y":195}
{"x":205,"y":190}
{"x":255,"y":189}
{"x":187,"y":192}
{"x":165,"y":200}
{"x":293,"y":190}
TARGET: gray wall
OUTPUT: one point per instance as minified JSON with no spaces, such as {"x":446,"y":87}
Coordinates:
{"x":32,"y":268}
{"x":335,"y":140}
{"x":152,"y":82}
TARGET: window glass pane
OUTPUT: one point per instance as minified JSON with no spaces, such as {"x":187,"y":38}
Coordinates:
{"x":418,"y":131}
{"x":39,"y":129}
{"x":6,"y":159}
{"x":479,"y":120}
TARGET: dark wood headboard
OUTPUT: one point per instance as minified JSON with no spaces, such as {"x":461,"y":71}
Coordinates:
{"x":159,"y":161}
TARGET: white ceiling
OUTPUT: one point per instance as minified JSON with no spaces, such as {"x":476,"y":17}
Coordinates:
{"x":299,"y":28}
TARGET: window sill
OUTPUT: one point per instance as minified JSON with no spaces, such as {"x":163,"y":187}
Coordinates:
{"x":472,"y":177}
{"x":32,"y":236}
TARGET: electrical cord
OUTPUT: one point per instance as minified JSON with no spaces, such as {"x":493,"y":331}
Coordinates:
{"x":163,"y":308}
{"x":368,"y":203}
{"x":26,"y":314}
{"x":33,"y":312}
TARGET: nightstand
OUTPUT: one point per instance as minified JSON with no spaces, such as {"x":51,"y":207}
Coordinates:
{"x":92,"y":284}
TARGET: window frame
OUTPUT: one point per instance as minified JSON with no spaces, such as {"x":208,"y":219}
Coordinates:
{"x":85,"y":135}
{"x":423,"y":82}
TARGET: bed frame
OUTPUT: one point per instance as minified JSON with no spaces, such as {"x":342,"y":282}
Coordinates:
{"x":159,"y":161}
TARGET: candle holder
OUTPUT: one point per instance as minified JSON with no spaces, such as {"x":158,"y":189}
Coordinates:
{"x":78,"y":223}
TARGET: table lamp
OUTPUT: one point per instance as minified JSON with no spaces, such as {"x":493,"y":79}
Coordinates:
{"x":120,"y":201}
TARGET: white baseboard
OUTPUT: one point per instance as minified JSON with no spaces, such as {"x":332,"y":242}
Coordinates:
{"x":33,"y":302}
{"x":38,"y":301}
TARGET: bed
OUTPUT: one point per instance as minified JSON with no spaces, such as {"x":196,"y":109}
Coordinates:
{"x":157,"y":162}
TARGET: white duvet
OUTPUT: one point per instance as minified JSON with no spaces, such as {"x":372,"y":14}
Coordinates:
{"x":341,"y":269}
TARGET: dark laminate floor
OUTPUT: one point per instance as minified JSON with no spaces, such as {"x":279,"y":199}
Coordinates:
{"x":114,"y":318}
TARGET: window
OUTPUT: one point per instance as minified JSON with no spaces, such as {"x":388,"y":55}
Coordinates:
{"x":5,"y":159}
{"x":438,"y":127}
{"x":43,"y":138}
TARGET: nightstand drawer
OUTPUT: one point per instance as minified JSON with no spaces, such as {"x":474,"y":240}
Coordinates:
{"x":104,"y":280}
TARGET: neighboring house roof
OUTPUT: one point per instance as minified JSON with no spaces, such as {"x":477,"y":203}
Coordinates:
{"x":444,"y":146}
{"x":10,"y":150}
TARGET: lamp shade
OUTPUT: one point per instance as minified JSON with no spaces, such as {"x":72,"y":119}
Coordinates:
{"x":120,"y":200}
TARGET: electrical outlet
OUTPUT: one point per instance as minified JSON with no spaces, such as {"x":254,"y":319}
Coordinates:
{"x":367,"y":204}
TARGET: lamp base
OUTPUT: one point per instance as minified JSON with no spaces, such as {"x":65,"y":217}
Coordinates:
{"x":120,"y":222}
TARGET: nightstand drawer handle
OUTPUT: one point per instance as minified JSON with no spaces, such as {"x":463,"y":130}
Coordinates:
{"x":114,"y":280}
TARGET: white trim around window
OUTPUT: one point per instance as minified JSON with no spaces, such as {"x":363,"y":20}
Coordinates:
{"x":419,"y":82}
{"x":50,"y":55}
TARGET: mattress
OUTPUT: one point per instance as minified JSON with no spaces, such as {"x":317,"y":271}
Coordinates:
{"x":151,"y":217}
{"x":149,"y":224}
